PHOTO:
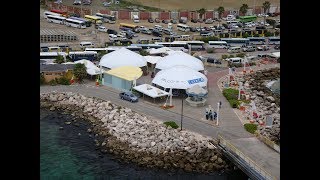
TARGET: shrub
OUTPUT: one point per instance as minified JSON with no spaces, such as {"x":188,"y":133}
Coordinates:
{"x":256,"y":35}
{"x":245,"y":35}
{"x":53,"y":82}
{"x":268,"y":34}
{"x":207,"y":39}
{"x":224,"y":56}
{"x":251,"y":128}
{"x":171,"y":123}
{"x":210,"y":50}
{"x":234,"y":103}
{"x":231,"y":56}
{"x":230,"y":93}
{"x":63,"y":81}
{"x":240,"y":55}
{"x":246,"y":101}
{"x":80,"y":71}
{"x":42,"y":80}
{"x":143,"y":52}
{"x":59,"y":59}
{"x":230,"y":64}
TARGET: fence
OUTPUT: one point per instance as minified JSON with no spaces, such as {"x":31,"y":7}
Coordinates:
{"x":249,"y":161}
{"x":268,"y":142}
{"x":126,"y":14}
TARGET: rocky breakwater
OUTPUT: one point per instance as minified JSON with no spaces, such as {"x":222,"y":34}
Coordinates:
{"x":267,"y":102}
{"x":136,"y":138}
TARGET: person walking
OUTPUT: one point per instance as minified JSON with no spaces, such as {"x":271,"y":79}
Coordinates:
{"x":220,"y":104}
{"x":210,"y":114}
{"x":207,"y":114}
{"x":215,"y":115}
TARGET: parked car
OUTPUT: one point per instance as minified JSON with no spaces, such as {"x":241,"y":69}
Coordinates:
{"x":145,"y":31}
{"x":156,"y":33}
{"x":150,"y":20}
{"x":174,"y":21}
{"x":194,"y":20}
{"x":102,"y":29}
{"x":213,"y":60}
{"x":77,"y":2}
{"x":166,"y":21}
{"x":193,"y":29}
{"x":248,"y":49}
{"x":209,"y":21}
{"x":277,"y":47}
{"x":263,"y":48}
{"x":129,"y":96}
{"x":111,"y":31}
{"x":157,"y":20}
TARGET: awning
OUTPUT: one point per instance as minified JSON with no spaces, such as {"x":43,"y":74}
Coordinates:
{"x":153,"y":59}
{"x":150,"y":90}
{"x":128,"y":73}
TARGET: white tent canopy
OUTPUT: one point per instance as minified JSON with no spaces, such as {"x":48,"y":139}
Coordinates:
{"x":153,"y":59}
{"x":150,"y":90}
{"x":122,"y":57}
{"x":179,"y":77}
{"x":180,"y":59}
{"x":92,"y":69}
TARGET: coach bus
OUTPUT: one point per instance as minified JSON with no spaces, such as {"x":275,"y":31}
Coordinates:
{"x":87,"y":22}
{"x":94,"y":19}
{"x":129,"y":26}
{"x":46,"y":13}
{"x":257,"y":40}
{"x":107,"y":18}
{"x":245,"y":19}
{"x":56,"y":19}
{"x":236,"y":41}
{"x":79,"y":55}
{"x":75,"y":23}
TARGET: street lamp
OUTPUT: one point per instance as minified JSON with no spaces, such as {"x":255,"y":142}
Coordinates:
{"x":218,"y":109}
{"x":183,"y":96}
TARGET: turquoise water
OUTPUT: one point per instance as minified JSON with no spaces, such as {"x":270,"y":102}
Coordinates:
{"x":64,"y":154}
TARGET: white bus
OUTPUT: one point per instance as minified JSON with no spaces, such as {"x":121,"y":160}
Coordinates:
{"x":274,"y":40}
{"x":49,"y":57}
{"x":194,"y":45}
{"x":242,"y":42}
{"x":107,"y":18}
{"x":176,"y":46}
{"x":56,"y":19}
{"x":79,"y":55}
{"x":54,"y":49}
{"x":46,"y":13}
{"x":183,"y":27}
{"x":85,"y":44}
{"x":97,"y":49}
{"x":75,"y":23}
{"x":218,"y":44}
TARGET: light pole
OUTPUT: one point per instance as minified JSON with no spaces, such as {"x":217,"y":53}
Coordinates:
{"x":181,"y":112}
{"x":218,"y":109}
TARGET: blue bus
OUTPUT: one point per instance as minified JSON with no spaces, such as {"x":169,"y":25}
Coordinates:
{"x":80,"y":55}
{"x":148,"y":46}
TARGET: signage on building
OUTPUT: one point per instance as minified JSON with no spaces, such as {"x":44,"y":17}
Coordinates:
{"x":194,"y":81}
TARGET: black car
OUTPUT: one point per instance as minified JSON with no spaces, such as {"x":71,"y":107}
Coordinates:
{"x":193,"y":29}
{"x":174,"y":21}
{"x":165,"y":21}
{"x":194,"y":20}
{"x":213,"y":61}
{"x":277,"y":47}
{"x":125,"y":42}
{"x":156,"y":33}
{"x":111,"y":31}
{"x":150,"y":20}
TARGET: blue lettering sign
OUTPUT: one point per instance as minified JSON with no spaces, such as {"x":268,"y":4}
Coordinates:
{"x":194,"y":81}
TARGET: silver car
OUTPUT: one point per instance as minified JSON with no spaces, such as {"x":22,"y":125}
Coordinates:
{"x":129,"y":96}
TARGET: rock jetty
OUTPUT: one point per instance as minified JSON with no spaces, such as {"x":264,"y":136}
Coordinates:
{"x":137,"y":138}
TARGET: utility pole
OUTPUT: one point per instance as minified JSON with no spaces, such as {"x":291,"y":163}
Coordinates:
{"x":181,"y":113}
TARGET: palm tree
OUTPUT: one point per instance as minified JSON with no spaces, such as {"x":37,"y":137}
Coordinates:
{"x":266,"y":8}
{"x":201,"y":12}
{"x":220,"y":11}
{"x":244,"y":9}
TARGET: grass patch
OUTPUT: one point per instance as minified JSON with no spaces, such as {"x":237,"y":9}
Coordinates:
{"x":126,"y":4}
{"x":251,"y":128}
{"x":232,"y":97}
{"x":171,"y":123}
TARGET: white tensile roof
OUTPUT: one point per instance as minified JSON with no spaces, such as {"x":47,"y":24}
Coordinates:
{"x":122,"y":57}
{"x":180,"y":59}
{"x":159,"y":50}
{"x":150,"y":90}
{"x":179,"y":77}
{"x":153,"y":59}
{"x":276,"y":54}
{"x":91,"y":68}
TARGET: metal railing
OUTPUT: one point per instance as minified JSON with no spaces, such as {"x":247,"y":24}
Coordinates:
{"x":248,"y":160}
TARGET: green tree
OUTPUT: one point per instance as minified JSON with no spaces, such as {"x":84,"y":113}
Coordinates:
{"x":220,"y":11}
{"x":266,"y":8}
{"x":244,"y":9}
{"x":143,"y":52}
{"x":201,"y":12}
{"x":59,"y":59}
{"x":80,"y":71}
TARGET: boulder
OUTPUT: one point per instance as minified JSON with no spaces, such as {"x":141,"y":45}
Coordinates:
{"x":270,"y":99}
{"x":188,"y":167}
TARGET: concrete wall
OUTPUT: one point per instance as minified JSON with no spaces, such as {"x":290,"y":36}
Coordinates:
{"x":164,"y":15}
{"x":124,"y":14}
{"x":154,"y":15}
{"x":145,"y":15}
{"x":208,"y":14}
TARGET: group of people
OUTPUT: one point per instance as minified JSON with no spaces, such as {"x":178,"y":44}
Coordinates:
{"x":210,"y":114}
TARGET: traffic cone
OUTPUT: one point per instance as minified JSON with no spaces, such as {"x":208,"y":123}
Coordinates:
{"x":97,"y":82}
{"x":71,"y":80}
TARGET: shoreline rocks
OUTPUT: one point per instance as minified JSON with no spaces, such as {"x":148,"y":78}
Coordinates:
{"x":267,"y":102}
{"x":136,"y":138}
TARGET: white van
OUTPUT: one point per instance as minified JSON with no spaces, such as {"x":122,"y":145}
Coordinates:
{"x":235,"y":60}
{"x":230,"y":17}
{"x":185,"y":37}
{"x":113,"y":37}
{"x":234,"y":49}
{"x":135,"y":18}
{"x":158,"y":27}
{"x":86,"y":44}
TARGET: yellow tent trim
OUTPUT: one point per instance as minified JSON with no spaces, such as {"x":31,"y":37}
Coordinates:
{"x":128,"y":73}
